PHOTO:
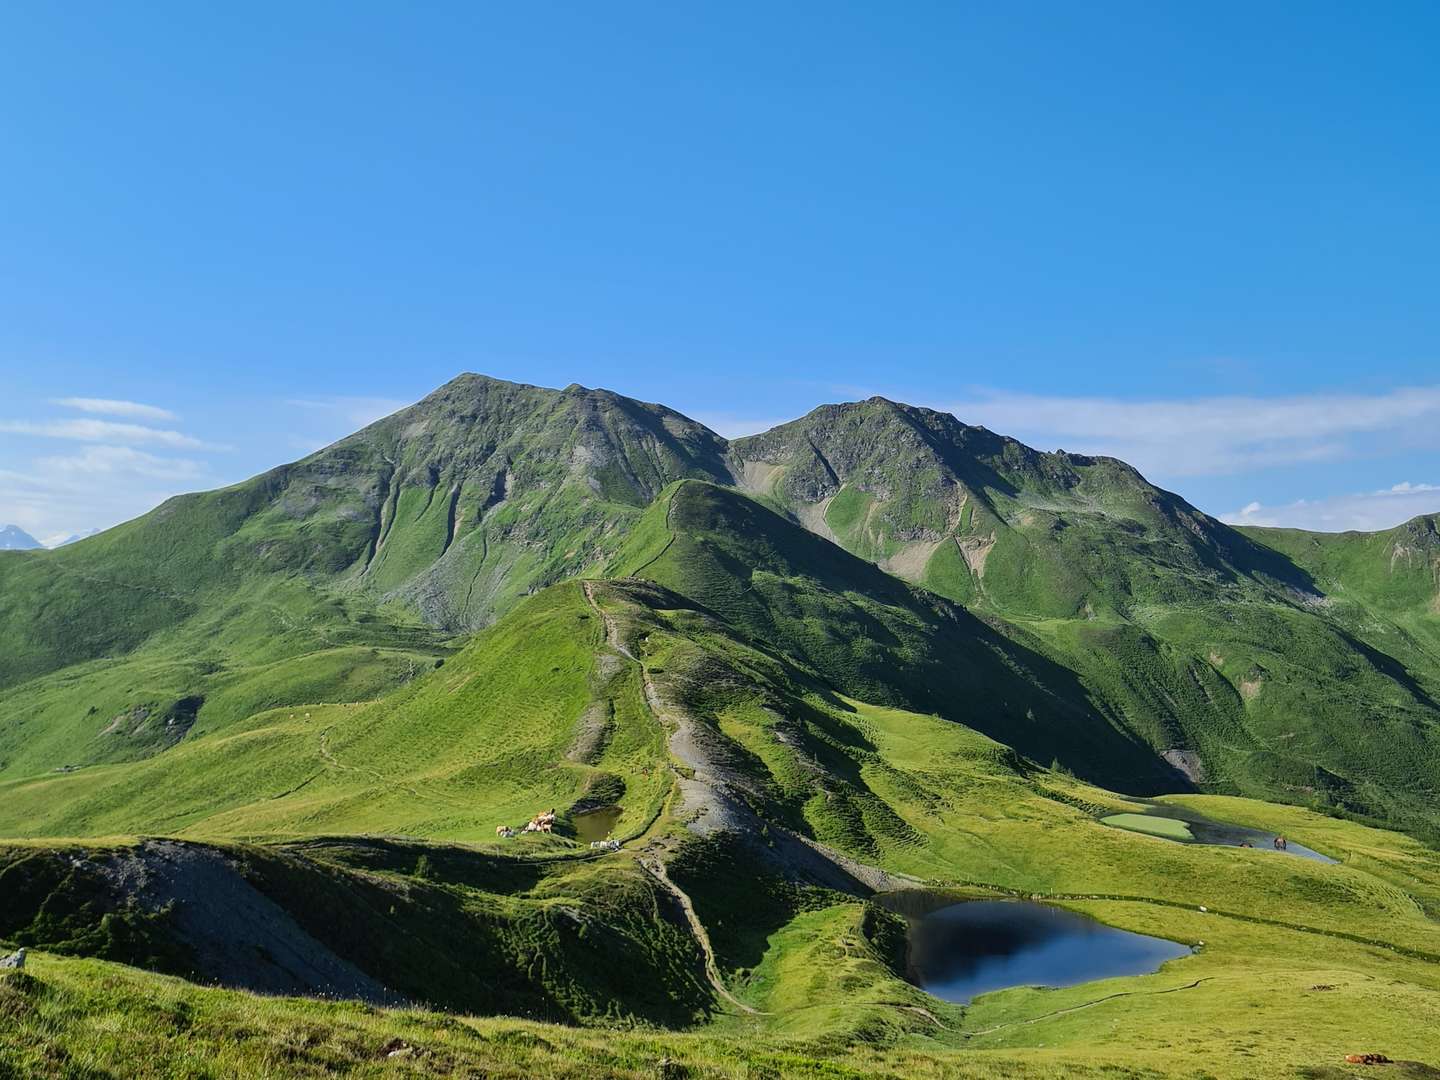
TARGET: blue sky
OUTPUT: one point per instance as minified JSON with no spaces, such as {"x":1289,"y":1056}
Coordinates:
{"x":1202,"y":237}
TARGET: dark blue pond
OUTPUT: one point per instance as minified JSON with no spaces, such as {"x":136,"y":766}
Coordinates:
{"x":970,"y":948}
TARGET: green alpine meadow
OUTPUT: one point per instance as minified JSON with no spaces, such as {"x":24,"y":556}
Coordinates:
{"x":548,"y":733}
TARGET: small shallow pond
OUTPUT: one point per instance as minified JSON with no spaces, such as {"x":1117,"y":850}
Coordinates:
{"x":1190,"y":828}
{"x":596,"y":824}
{"x":960,"y":950}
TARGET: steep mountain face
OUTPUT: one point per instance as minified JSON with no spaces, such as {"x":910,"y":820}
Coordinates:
{"x":478,"y":494}
{"x":329,"y":579}
{"x":1396,"y":571}
{"x":983,"y":518}
{"x":14,"y":538}
{"x":876,"y":638}
{"x":1220,"y":650}
{"x":487,"y":490}
{"x":450,"y":510}
{"x":1088,"y":616}
{"x":269,"y":683}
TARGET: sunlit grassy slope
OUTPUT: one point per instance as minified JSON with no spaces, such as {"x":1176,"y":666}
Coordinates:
{"x":1280,"y":664}
{"x":268,"y":673}
{"x":1213,"y":1015}
{"x":331,"y":579}
{"x":1105,"y":621}
{"x":485,"y":737}
{"x":525,"y":718}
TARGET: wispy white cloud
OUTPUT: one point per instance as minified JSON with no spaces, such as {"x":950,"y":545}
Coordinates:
{"x":107,"y":480}
{"x":111,"y":431}
{"x":111,"y":460}
{"x":112,"y":407}
{"x":99,"y":486}
{"x":1208,"y":436}
{"x":1367,"y":511}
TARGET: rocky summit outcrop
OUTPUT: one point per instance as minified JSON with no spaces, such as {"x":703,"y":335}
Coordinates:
{"x":478,"y":494}
{"x":1257,"y":661}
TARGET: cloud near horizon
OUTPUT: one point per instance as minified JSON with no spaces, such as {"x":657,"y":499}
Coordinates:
{"x":86,"y":430}
{"x":96,"y":488}
{"x":1212,"y":436}
{"x":111,"y":460}
{"x":112,"y":407}
{"x":109,"y":479}
{"x":1369,"y":511}
{"x":1171,"y":441}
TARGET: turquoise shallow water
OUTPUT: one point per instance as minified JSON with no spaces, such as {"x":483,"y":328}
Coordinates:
{"x":1207,"y":831}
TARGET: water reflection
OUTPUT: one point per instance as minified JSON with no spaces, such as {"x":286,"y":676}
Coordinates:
{"x":960,"y":950}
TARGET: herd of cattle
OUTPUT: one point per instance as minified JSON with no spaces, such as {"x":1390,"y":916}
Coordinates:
{"x":544,"y":823}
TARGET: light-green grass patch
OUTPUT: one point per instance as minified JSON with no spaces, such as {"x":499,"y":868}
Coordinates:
{"x":1170,"y":828}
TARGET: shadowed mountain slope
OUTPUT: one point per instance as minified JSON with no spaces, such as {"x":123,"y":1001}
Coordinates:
{"x":1069,"y":608}
{"x":875,"y":637}
{"x":984,"y":518}
{"x":773,"y":729}
{"x":755,"y":803}
{"x":331,"y":579}
{"x":1235,"y":653}
{"x":449,"y":509}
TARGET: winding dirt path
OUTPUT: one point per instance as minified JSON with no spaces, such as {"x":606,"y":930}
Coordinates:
{"x":656,"y":869}
{"x":1086,"y":1005}
{"x":380,"y":778}
{"x":652,"y":865}
{"x":612,"y":632}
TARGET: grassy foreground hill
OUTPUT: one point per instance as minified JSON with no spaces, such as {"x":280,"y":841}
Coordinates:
{"x":249,"y":740}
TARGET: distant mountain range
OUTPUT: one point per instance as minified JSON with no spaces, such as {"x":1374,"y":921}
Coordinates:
{"x":72,"y":538}
{"x":14,"y":538}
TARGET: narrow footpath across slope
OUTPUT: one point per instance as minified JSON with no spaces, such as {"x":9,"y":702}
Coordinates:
{"x":656,"y":869}
{"x":653,"y":866}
